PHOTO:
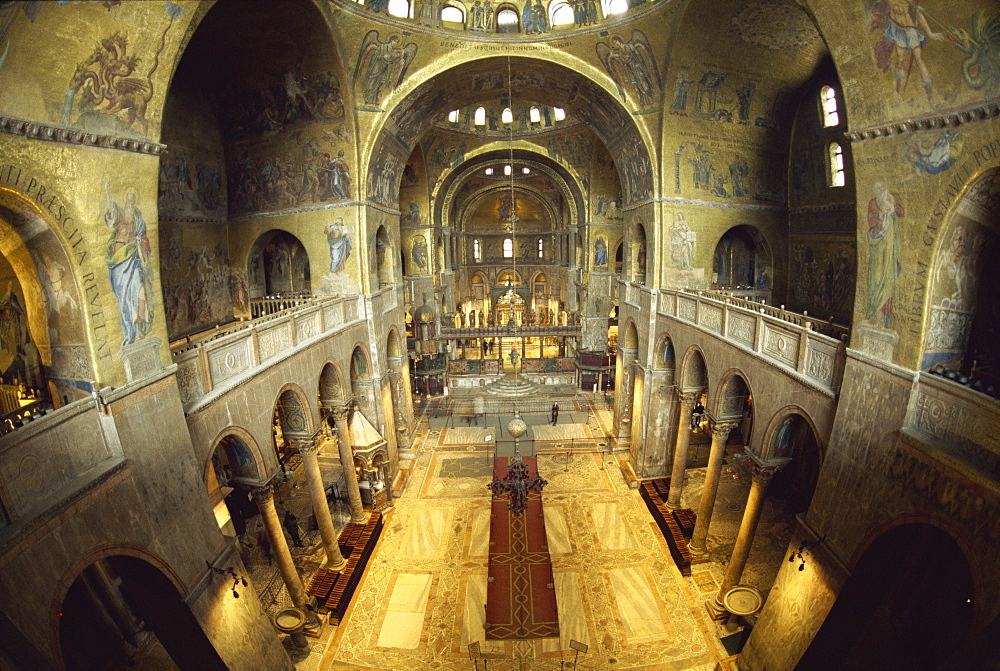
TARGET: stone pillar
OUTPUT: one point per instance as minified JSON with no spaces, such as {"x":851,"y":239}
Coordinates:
{"x":720,"y":432}
{"x":358,"y":514}
{"x":314,"y":481}
{"x":760,"y":479}
{"x":687,"y":400}
{"x":105,"y":593}
{"x":264,"y":498}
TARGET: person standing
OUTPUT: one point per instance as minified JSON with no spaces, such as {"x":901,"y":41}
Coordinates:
{"x":291,"y":524}
{"x":555,"y":413}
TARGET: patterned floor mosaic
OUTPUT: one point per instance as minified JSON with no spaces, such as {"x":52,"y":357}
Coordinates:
{"x":421,"y":602}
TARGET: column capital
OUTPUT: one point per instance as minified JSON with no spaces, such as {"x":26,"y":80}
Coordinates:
{"x":688,"y":398}
{"x":262,"y":493}
{"x":340,"y":412}
{"x":721,"y":428}
{"x":305,"y":445}
{"x":761,"y":475}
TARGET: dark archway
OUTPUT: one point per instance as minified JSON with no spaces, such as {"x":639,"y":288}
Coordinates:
{"x":796,"y":483}
{"x":122,"y":603}
{"x":742,"y":260}
{"x":278,"y":266}
{"x":907,"y":605}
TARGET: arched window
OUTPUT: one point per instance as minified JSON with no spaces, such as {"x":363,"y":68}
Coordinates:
{"x":488,"y":171}
{"x":400,"y":8}
{"x":453,"y":116}
{"x":479,"y":118}
{"x":541,"y":248}
{"x":828,"y":103}
{"x":507,"y":116}
{"x":614,"y":7}
{"x":836,"y":164}
{"x":534,"y":115}
{"x":561,"y":14}
{"x":453,"y":14}
{"x":508,"y":21}
{"x":508,"y":248}
{"x":559,"y":113}
{"x":507,"y":169}
{"x":477,"y":252}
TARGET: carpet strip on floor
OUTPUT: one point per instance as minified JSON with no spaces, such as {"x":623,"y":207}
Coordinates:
{"x":520,"y":594}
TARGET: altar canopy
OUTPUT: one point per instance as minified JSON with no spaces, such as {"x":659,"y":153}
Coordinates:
{"x":520,"y":594}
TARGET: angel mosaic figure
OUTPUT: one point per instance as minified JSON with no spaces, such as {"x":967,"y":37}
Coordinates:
{"x":632,"y":65}
{"x":381,"y":65}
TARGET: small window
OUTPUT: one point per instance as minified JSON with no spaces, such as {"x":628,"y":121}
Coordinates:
{"x":534,"y":115}
{"x":453,"y":116}
{"x":561,"y":14}
{"x":477,"y":252}
{"x":507,"y":170}
{"x":828,"y":99}
{"x":479,"y":118}
{"x":400,"y":8}
{"x":508,"y":248}
{"x":614,"y":7}
{"x":453,"y":14}
{"x":507,"y":21}
{"x":525,"y":170}
{"x":507,"y":116}
{"x":836,"y":165}
{"x":559,"y":112}
{"x":541,"y":248}
{"x":489,"y":171}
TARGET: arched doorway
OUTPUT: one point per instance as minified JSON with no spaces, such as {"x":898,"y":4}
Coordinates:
{"x":742,"y":260}
{"x":907,"y":605}
{"x":278,"y":266}
{"x":796,"y":482}
{"x":123,"y":612}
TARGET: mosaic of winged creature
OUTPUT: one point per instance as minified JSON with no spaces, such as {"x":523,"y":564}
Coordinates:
{"x":381,"y":65}
{"x":632,"y":66}
{"x":981,"y":67}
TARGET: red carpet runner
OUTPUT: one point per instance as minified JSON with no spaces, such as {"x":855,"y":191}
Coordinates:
{"x":520,"y":595}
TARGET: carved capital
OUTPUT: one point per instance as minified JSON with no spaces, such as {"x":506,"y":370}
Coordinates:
{"x":262,"y":494}
{"x":721,"y":428}
{"x":304,"y":445}
{"x":762,"y":475}
{"x":688,"y":398}
{"x":340,"y":413}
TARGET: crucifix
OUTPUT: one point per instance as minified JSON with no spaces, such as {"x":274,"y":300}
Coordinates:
{"x":517,"y":484}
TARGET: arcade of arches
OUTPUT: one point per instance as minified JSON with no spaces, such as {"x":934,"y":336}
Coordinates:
{"x":271,"y":269}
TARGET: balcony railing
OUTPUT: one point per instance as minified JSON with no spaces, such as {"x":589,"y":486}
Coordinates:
{"x":783,"y":337}
{"x":233,"y":352}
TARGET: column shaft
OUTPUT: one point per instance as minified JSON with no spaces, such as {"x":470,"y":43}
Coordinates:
{"x":282,"y":555}
{"x":314,"y":481}
{"x":720,"y":432}
{"x":680,"y":451}
{"x":358,"y":514}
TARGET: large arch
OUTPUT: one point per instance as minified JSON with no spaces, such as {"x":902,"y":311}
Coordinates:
{"x":909,"y":603}
{"x":52,"y":300}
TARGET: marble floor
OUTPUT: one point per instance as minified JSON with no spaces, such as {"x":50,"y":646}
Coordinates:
{"x":420,"y":603}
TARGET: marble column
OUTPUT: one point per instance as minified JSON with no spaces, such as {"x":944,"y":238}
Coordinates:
{"x":760,"y":479}
{"x":314,"y":481}
{"x":720,"y":432}
{"x":264,"y":498}
{"x":105,"y":593}
{"x":358,"y":514}
{"x":687,"y":400}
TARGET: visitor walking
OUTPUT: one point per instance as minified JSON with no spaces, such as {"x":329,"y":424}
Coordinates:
{"x":555,"y":413}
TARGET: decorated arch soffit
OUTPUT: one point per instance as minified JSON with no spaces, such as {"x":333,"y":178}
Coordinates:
{"x":776,"y":423}
{"x":731,"y":394}
{"x":694,"y":372}
{"x":243,"y":436}
{"x":544,"y":81}
{"x":293,"y":410}
{"x":462,"y":193}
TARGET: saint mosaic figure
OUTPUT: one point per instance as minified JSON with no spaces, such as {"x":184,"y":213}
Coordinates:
{"x":600,"y":252}
{"x":339,"y":237}
{"x":682,"y":240}
{"x":127,"y":255}
{"x":884,"y":260}
{"x":631,"y":65}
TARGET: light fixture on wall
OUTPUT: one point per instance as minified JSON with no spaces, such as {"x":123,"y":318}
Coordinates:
{"x":237,"y":579}
{"x":797,"y":554}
